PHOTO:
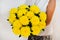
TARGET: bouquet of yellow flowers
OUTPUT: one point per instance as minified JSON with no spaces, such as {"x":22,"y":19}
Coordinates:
{"x":27,"y":20}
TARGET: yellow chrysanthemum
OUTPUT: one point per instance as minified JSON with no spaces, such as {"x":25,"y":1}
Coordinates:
{"x":35,"y":20}
{"x":24,"y":20}
{"x":24,"y":16}
{"x":12,"y":18}
{"x":25,"y":31}
{"x":16,"y":31}
{"x":34,"y":9}
{"x":19,"y":13}
{"x":23,"y":6}
{"x":36,"y":30}
{"x":17,"y":24}
{"x":42,"y":25}
{"x":30,"y":14}
{"x":43,"y":16}
{"x":13,"y":10}
{"x":24,"y":11}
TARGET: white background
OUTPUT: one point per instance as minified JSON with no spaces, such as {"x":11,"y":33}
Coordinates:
{"x":57,"y":24}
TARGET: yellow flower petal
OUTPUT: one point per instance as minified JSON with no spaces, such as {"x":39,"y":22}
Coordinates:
{"x":24,"y":20}
{"x":13,"y":10}
{"x":25,"y":31}
{"x":23,"y":6}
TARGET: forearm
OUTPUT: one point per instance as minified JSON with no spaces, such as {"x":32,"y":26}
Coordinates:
{"x":50,"y":10}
